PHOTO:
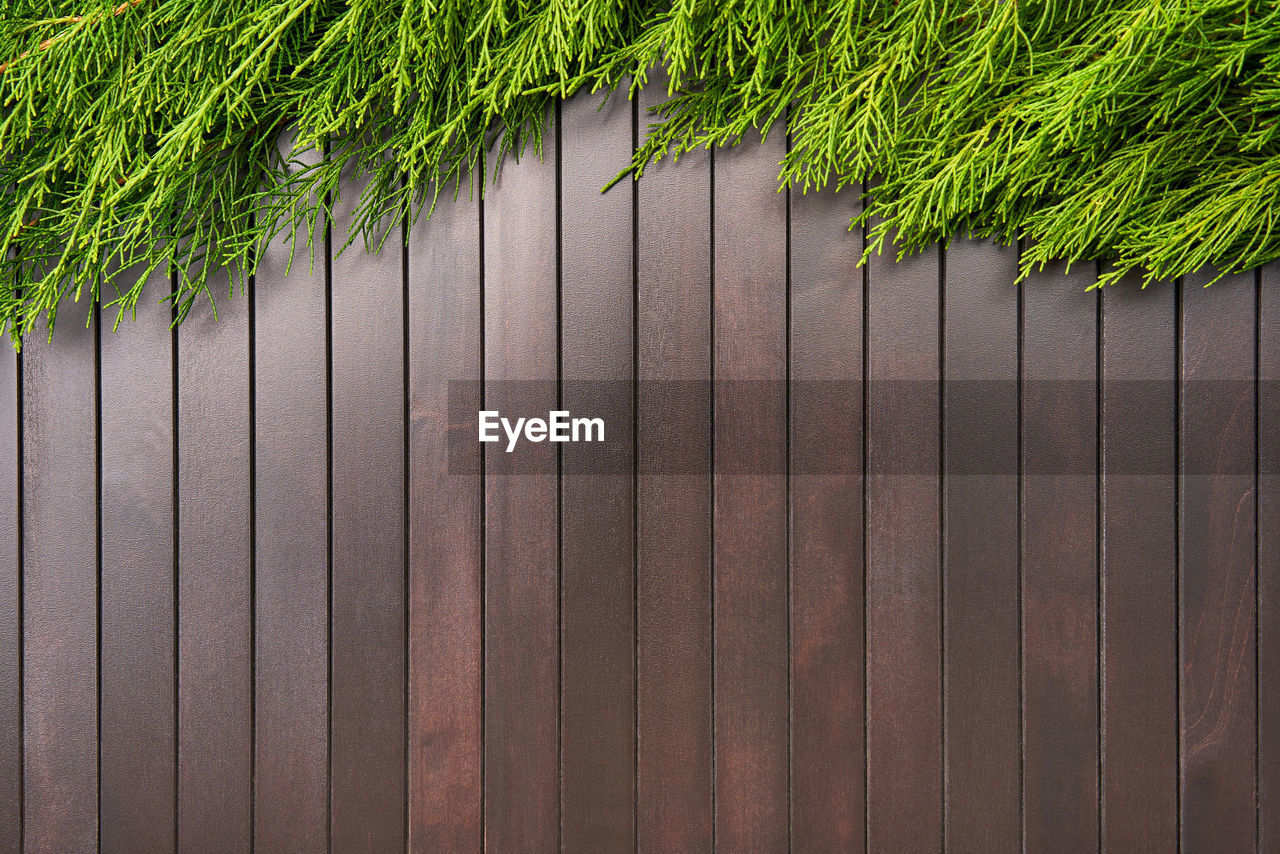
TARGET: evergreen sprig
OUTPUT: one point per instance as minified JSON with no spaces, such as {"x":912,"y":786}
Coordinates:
{"x":143,"y":134}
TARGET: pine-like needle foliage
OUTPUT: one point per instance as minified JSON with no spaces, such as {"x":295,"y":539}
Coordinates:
{"x":142,"y":135}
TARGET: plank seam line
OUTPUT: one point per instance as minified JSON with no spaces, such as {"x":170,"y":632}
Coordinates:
{"x":22,"y":645}
{"x":942,"y":539}
{"x":1020,"y":369}
{"x":1257,"y":557}
{"x":253,"y":562}
{"x":1100,"y":580}
{"x":95,"y":314}
{"x":559,"y":203}
{"x":21,"y":600}
{"x":711,"y":374}
{"x":176,"y":572}
{"x":866,"y":538}
{"x":635,"y":485}
{"x":483,"y":519}
{"x":405,"y":481}
{"x":328,"y":503}
{"x":788,"y":508}
{"x":1177,"y":544}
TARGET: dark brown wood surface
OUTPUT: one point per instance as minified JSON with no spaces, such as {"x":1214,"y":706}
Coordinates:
{"x":138,"y":740}
{"x":1059,"y":560}
{"x":446,"y":585}
{"x":749,"y":569}
{"x":1268,"y":556}
{"x":215,"y":579}
{"x":291,"y":592}
{"x":10,"y":612}
{"x":597,"y":543}
{"x":1138,"y":527}
{"x":904,"y":800}
{"x":981,"y":608}
{"x":522,"y":554}
{"x":1217,"y":560}
{"x":895,"y":557}
{"x":367,"y":614}
{"x":826,"y":541}
{"x":60,"y":590}
{"x":673,"y":545}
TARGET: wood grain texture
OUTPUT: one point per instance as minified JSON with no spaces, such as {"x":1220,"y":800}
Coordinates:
{"x":826,"y":543}
{"x":1139,"y":568}
{"x":903,"y":529}
{"x":10,"y":613}
{"x":750,"y":569}
{"x":980,"y":548}
{"x":597,"y":633}
{"x":446,"y":589}
{"x":1060,"y":560}
{"x":60,"y":575}
{"x":1269,"y":558}
{"x":673,"y":594}
{"x":291,"y":641}
{"x":215,"y":726}
{"x":367,"y":688}
{"x":522,"y":666}
{"x":138,"y":728}
{"x":884,"y":558}
{"x":1217,"y":563}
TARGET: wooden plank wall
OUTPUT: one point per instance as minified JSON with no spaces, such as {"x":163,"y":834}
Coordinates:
{"x":899,"y":557}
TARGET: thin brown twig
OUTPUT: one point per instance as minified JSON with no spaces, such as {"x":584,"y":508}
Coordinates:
{"x":75,"y":21}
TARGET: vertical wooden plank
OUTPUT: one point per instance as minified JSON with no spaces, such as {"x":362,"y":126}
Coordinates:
{"x":446,"y":666}
{"x":1060,"y":560}
{"x":367,"y":772}
{"x":291,"y":646}
{"x":980,"y":549}
{"x":903,"y":528}
{"x":1217,"y":560}
{"x":1139,"y":569}
{"x":60,"y":586}
{"x":1268,"y":427}
{"x":597,"y":544}
{"x":750,"y":558}
{"x":827,"y":675}
{"x":10,"y":613}
{"x":214,"y":578}
{"x":139,"y":747}
{"x":674,"y":500}
{"x":522,"y":672}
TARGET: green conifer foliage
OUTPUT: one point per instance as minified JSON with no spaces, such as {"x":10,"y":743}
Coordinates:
{"x":141,"y":135}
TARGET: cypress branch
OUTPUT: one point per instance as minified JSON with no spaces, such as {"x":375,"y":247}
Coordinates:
{"x":143,"y":134}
